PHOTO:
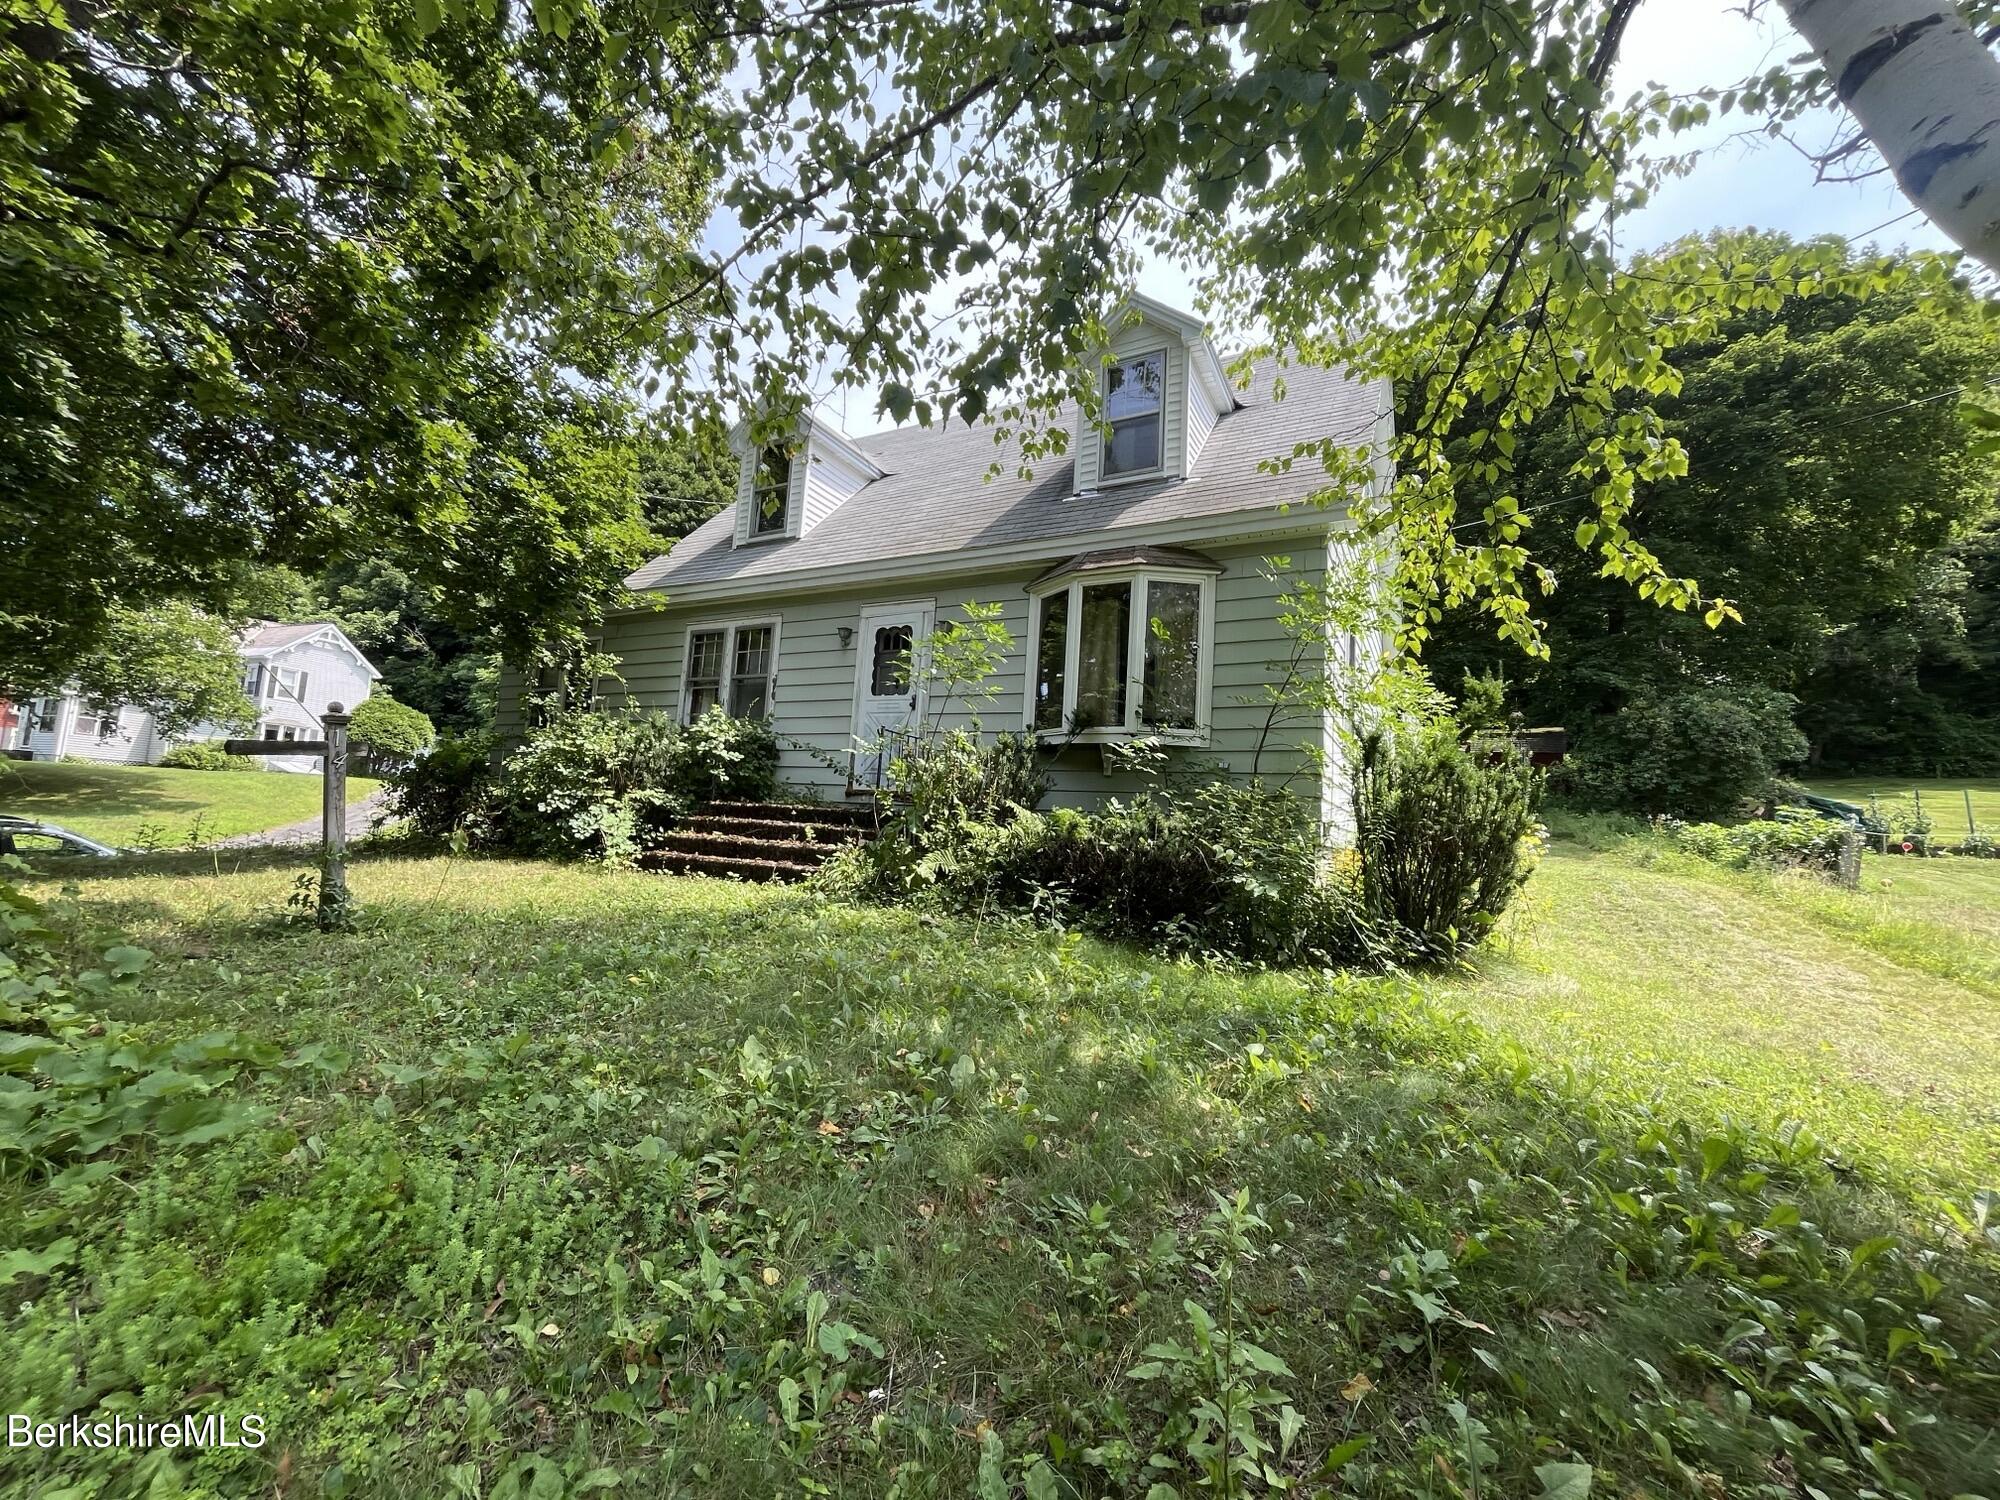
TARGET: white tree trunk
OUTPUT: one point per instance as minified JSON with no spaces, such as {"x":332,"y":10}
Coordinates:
{"x":1928,"y":95}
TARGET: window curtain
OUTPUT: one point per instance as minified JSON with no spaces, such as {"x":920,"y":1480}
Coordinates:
{"x":1103,"y":640}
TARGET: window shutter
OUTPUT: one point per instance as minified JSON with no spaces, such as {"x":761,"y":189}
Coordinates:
{"x":1087,"y":443}
{"x":744,"y":479}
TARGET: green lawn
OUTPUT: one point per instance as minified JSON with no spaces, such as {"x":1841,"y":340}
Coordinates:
{"x":1872,"y":1016}
{"x":565,"y":1177}
{"x":1943,"y":799}
{"x":119,"y":805}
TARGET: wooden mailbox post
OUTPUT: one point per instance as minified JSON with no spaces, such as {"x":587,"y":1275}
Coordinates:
{"x":332,"y":751}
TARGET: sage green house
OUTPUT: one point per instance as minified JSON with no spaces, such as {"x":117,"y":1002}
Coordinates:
{"x":1141,"y":577}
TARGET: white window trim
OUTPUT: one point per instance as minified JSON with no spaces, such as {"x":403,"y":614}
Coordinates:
{"x":1135,"y":658}
{"x":729,"y":627}
{"x":795,"y":497}
{"x":1108,"y":481}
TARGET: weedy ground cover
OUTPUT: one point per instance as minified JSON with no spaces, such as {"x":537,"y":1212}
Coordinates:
{"x":557,"y":1180}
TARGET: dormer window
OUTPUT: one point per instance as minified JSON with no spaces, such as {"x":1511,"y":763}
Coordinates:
{"x":1134,"y":392}
{"x":788,"y":486}
{"x":771,"y":493}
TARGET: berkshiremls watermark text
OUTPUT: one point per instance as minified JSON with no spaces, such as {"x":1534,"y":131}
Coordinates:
{"x":212,"y":1431}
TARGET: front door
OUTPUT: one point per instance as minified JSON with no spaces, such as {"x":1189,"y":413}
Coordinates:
{"x":888,"y":701}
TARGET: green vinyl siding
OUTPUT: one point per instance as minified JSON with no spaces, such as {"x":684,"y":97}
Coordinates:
{"x":813,"y":698}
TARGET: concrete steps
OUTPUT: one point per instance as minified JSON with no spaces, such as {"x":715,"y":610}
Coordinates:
{"x":765,"y":841}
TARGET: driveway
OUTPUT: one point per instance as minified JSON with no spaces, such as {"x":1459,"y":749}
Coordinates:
{"x":360,"y":818}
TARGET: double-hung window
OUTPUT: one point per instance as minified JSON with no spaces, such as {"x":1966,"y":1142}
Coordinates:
{"x":1122,"y":654}
{"x":734,"y":665}
{"x":1134,"y":399}
{"x":770,"y":493}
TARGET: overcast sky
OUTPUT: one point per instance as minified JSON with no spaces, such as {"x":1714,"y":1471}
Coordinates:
{"x":1761,"y":182}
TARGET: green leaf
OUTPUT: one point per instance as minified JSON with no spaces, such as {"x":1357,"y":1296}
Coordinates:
{"x":1867,"y":1250}
{"x":992,"y":1477}
{"x":1262,"y":1359}
{"x":1290,"y":1425}
{"x":17,"y":1263}
{"x":125,"y":960}
{"x":1340,"y":1455}
{"x":1564,"y":1481}
{"x":838,"y":1340}
{"x":1715,"y":1152}
{"x":18,"y":1053}
{"x":1042,"y":1481}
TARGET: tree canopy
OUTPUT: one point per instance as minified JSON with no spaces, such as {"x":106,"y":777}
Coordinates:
{"x":378,"y":279}
{"x":286,"y":282}
{"x":176,"y":662}
{"x":949,"y":198}
{"x":1830,"y":475}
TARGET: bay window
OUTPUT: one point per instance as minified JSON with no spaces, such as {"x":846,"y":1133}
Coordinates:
{"x":1122,"y":654}
{"x":731,"y":664}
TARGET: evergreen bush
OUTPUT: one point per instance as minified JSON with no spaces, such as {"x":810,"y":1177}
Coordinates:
{"x":1443,"y":834}
{"x":389,"y":731}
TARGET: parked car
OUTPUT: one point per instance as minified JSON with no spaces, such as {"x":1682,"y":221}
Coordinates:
{"x":35,"y":839}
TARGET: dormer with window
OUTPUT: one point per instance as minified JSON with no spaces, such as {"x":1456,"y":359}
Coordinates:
{"x":792,"y":483}
{"x":1162,"y":390}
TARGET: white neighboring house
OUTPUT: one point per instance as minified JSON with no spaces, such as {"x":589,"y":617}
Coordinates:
{"x":291,"y":672}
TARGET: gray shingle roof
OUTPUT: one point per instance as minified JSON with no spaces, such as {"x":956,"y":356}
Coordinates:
{"x":935,"y":497}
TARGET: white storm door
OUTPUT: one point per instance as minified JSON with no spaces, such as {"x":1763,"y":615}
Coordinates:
{"x":888,"y":699}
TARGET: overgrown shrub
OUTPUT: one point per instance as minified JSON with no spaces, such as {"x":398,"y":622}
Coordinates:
{"x":954,"y":776}
{"x":449,"y":790}
{"x":1692,"y":752}
{"x":1221,"y":868}
{"x":206,"y":755}
{"x":1443,"y":835}
{"x":587,"y":785}
{"x":1791,"y":843}
{"x":720,"y":757}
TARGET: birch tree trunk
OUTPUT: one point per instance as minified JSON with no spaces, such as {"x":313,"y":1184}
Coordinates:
{"x":1928,"y":95}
